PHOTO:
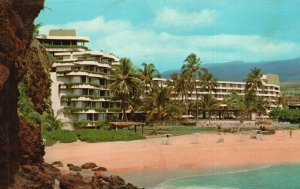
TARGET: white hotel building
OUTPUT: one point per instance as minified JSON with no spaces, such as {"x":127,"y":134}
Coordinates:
{"x":270,"y":93}
{"x":80,"y":94}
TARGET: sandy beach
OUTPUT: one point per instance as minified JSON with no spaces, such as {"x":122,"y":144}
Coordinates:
{"x":151,"y":161}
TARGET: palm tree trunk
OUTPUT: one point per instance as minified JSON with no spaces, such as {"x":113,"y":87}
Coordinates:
{"x":209,"y":115}
{"x":196,"y":104}
{"x":124,"y":117}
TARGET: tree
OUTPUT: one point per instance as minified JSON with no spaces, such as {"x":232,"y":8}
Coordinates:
{"x":260,"y":106}
{"x":253,"y":80}
{"x":207,"y":81}
{"x":189,"y":71}
{"x":281,"y":101}
{"x":208,"y":102}
{"x":126,"y":84}
{"x":36,"y":30}
{"x":160,"y":106}
{"x":245,"y":104}
{"x":208,"y":85}
{"x":253,"y":83}
{"x":179,"y":85}
{"x":147,"y":74}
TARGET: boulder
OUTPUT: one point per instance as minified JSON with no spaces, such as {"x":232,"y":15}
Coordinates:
{"x":100,"y":169}
{"x":51,"y":170}
{"x":70,"y":165}
{"x":88,"y":166}
{"x":74,"y":181}
{"x":57,"y":164}
{"x":130,"y":186}
{"x":116,"y":180}
{"x":32,"y":177}
{"x":74,"y":168}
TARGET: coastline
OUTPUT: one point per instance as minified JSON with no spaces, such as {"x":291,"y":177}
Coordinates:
{"x":149,"y":162}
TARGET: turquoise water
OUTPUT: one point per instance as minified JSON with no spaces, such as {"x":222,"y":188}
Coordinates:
{"x":285,"y":176}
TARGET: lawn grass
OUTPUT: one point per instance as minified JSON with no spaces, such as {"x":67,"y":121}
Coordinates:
{"x":101,"y":135}
{"x":173,"y":130}
{"x":89,"y":135}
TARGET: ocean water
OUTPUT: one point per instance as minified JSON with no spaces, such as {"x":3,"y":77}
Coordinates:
{"x":284,"y":176}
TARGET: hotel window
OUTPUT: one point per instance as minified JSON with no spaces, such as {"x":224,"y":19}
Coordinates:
{"x":85,"y":92}
{"x":83,"y":79}
{"x":90,"y":117}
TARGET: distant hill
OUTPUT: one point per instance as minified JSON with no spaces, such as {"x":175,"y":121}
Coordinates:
{"x":288,"y":70}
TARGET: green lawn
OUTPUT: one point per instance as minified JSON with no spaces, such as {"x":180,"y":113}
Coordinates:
{"x":101,"y":135}
{"x":89,"y":135}
{"x":173,"y":130}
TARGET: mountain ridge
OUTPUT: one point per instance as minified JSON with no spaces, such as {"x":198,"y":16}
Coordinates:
{"x":288,"y":70}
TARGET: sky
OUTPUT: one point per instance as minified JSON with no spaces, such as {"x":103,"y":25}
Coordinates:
{"x":165,"y":32}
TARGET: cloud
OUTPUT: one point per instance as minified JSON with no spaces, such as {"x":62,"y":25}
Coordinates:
{"x":168,"y":51}
{"x":168,"y":17}
{"x":93,"y":26}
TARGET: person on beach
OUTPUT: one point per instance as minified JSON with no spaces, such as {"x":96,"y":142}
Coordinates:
{"x":291,"y":133}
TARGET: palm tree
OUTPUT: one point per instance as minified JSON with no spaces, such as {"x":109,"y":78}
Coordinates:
{"x":281,"y":101}
{"x":126,"y":84}
{"x":253,"y":83}
{"x":253,"y":80}
{"x":147,"y":74}
{"x":36,"y":30}
{"x":189,"y":70}
{"x":179,"y":85}
{"x":160,"y":106}
{"x":208,"y":85}
{"x":245,"y":104}
{"x":208,"y":102}
{"x":208,"y":81}
{"x":260,"y":106}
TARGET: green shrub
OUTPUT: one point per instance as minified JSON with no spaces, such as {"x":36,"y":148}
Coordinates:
{"x":26,"y":108}
{"x":63,"y":136}
{"x":95,"y":135}
{"x":288,"y":115}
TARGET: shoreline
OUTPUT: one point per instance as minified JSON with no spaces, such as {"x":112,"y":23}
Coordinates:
{"x":146,"y":162}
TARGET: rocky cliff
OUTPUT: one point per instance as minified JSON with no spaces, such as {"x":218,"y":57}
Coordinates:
{"x":16,"y":23}
{"x":21,"y":146}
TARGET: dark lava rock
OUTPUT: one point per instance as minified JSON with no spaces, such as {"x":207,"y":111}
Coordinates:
{"x":51,"y":170}
{"x":32,"y":146}
{"x":70,"y":165}
{"x":116,"y":180}
{"x":32,"y":177}
{"x":88,"y":166}
{"x":100,"y":169}
{"x":16,"y":23}
{"x":74,"y":168}
{"x":57,"y":164}
{"x":74,"y":181}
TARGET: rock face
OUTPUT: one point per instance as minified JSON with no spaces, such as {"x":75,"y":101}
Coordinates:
{"x":31,"y":143}
{"x":33,"y":177}
{"x":21,"y":146}
{"x":16,"y":23}
{"x":37,"y":78}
